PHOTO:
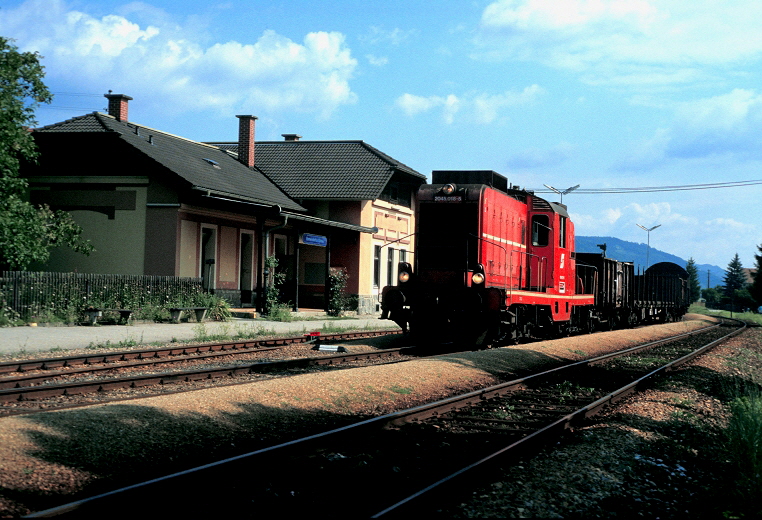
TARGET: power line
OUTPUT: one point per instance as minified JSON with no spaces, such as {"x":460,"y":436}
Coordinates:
{"x":78,"y":94}
{"x":79,"y":109}
{"x":648,"y":189}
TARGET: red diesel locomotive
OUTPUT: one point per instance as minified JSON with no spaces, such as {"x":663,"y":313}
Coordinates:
{"x":495,"y":264}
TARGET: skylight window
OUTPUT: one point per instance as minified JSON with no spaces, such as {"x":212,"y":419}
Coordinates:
{"x":214,"y":163}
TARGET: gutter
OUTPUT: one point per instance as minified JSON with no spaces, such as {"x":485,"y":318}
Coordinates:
{"x":224,"y":197}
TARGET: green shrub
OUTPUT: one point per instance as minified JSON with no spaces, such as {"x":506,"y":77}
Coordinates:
{"x":219,"y":308}
{"x":280,"y":312}
{"x":338,"y":299}
{"x":274,"y":279}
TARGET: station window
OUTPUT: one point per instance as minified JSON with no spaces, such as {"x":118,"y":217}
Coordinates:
{"x":377,"y":266}
{"x":390,"y":267}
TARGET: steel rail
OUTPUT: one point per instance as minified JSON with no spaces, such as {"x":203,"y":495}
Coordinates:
{"x":154,"y":357}
{"x":176,"y":484}
{"x":99,"y":385}
{"x":159,"y":352}
{"x":551,"y":431}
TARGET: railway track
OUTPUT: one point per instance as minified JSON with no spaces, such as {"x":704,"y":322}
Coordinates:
{"x":409,"y":461}
{"x":31,"y":382}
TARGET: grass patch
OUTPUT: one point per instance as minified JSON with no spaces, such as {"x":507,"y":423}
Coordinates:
{"x":749,"y":317}
{"x":744,"y":447}
{"x":127,"y":343}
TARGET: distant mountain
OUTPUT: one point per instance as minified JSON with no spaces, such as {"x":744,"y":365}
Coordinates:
{"x":636,"y":253}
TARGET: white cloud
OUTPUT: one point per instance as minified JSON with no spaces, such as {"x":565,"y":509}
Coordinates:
{"x":377,"y":61}
{"x":481,"y":108}
{"x":632,"y":42}
{"x":655,"y":213}
{"x":413,"y":105}
{"x":728,"y":224}
{"x":170,"y":66}
{"x":378,"y":35}
{"x":623,"y":221}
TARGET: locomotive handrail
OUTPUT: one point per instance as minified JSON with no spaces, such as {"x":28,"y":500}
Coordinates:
{"x":505,"y":252}
{"x":541,"y":260}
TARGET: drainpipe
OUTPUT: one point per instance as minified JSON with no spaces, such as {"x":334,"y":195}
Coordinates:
{"x":267,"y":232}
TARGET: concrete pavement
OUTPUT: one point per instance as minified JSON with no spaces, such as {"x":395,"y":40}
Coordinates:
{"x":26,"y":340}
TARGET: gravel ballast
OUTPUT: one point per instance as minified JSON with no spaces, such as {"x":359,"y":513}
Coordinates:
{"x":51,"y":458}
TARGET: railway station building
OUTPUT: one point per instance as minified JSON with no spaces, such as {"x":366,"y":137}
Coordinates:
{"x":153,"y":203}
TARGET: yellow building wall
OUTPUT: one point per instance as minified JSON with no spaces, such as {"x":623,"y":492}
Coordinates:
{"x":394,"y":223}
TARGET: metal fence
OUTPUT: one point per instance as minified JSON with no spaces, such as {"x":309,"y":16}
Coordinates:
{"x":36,"y":293}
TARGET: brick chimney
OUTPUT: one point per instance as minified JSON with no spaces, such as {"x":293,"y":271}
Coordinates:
{"x":246,"y":126}
{"x":291,"y":137}
{"x":117,"y":105}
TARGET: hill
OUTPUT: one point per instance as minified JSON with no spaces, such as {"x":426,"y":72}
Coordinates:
{"x":636,"y":253}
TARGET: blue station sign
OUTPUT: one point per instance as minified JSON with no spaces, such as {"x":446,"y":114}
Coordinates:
{"x":313,"y":240}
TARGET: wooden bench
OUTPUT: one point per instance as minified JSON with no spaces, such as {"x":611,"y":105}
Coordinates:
{"x":177,"y":313}
{"x":94,"y":314}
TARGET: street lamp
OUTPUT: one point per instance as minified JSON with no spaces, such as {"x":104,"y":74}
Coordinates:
{"x":562,"y":193}
{"x":648,"y":247}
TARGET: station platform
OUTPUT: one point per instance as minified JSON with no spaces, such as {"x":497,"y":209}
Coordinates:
{"x":27,"y":340}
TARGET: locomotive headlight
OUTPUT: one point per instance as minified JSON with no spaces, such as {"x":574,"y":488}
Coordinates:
{"x":403,"y":277}
{"x":448,"y":189}
{"x":477,"y":278}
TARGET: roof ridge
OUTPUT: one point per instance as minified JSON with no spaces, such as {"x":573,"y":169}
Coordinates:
{"x":162,"y":132}
{"x":71,"y":120}
{"x":299,"y":142}
{"x":388,"y":159}
{"x":391,"y":160}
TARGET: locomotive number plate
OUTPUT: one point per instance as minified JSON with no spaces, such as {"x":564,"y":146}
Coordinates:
{"x":455,"y":198}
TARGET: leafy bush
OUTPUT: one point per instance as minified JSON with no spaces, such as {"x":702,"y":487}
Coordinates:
{"x":273,"y":306}
{"x":280,"y":312}
{"x":65,"y":297}
{"x":338,"y":299}
{"x":219,"y":308}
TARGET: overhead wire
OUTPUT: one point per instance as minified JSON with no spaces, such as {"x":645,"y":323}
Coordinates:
{"x":648,"y":189}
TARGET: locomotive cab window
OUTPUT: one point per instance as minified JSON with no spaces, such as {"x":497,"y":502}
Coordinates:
{"x":562,"y":232}
{"x":540,"y":230}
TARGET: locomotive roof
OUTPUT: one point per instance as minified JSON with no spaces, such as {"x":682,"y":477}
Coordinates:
{"x":538,"y":203}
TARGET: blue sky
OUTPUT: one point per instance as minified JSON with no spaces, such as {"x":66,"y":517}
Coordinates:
{"x":607,"y":94}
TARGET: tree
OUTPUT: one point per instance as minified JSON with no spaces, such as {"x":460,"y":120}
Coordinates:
{"x":712,"y":296}
{"x":734,"y":277}
{"x":693,"y":281}
{"x":756,"y":286}
{"x":27,"y":232}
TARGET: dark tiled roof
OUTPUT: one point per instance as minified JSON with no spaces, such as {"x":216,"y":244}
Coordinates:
{"x":203,"y":166}
{"x":348,"y":170}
